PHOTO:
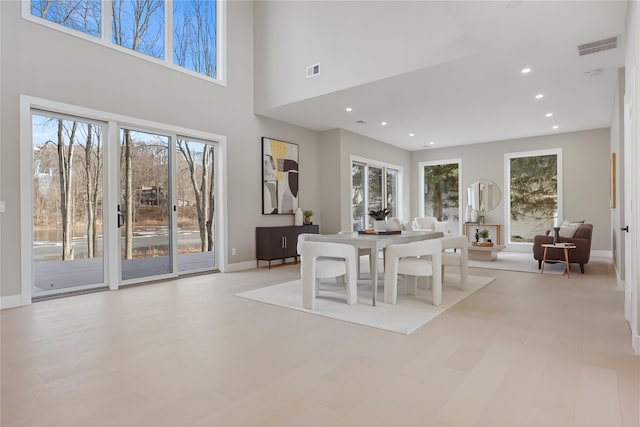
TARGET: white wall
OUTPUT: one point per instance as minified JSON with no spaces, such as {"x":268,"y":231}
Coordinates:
{"x":328,"y":182}
{"x":585,"y":174}
{"x":355,"y":42}
{"x":48,"y":64}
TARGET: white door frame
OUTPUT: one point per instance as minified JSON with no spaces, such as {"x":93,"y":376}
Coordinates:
{"x":631,"y":212}
{"x":111,"y":188}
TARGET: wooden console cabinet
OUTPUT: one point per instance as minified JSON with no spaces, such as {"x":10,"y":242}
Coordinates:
{"x":280,"y":242}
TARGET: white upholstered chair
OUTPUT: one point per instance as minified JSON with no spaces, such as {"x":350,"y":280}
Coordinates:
{"x":322,"y":260}
{"x":429,"y":223}
{"x":423,"y":258}
{"x":459,"y":257}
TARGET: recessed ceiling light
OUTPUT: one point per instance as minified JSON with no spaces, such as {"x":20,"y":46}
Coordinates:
{"x":539,"y":96}
{"x":383,"y":123}
{"x":526,"y":70}
{"x":412,"y":134}
{"x":554,"y":127}
{"x":348,"y":109}
{"x":431,"y":142}
{"x":548,"y":114}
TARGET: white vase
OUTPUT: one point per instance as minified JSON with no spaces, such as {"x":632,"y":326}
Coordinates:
{"x":298,"y":217}
{"x":474,"y":215}
{"x":380,"y":225}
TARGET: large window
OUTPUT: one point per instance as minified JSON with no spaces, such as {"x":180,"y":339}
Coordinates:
{"x":373,"y":186}
{"x":440,"y":191}
{"x":142,"y":26}
{"x":533,"y":193}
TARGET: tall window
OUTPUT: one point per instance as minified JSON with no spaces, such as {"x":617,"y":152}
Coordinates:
{"x":194,"y":36}
{"x":373,"y":187}
{"x":142,"y":26}
{"x":139,"y":25}
{"x":534,"y":193}
{"x":440,"y":191}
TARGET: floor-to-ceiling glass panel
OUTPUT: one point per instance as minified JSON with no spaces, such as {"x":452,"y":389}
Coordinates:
{"x":374,"y":192}
{"x":441,"y":193}
{"x":144,"y":210}
{"x":533,"y":193}
{"x":392,"y":192}
{"x":357,"y":196}
{"x":67,"y":203}
{"x":195,"y":205}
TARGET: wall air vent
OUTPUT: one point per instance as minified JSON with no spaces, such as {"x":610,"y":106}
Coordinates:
{"x":598,"y":46}
{"x":313,"y":70}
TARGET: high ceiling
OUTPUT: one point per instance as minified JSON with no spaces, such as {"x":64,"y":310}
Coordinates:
{"x":480,"y":93}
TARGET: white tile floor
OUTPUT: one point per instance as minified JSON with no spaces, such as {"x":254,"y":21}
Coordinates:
{"x":528,"y":349}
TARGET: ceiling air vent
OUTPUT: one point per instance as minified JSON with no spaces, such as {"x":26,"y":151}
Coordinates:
{"x":313,"y":70}
{"x":362,"y":122}
{"x":600,"y":45}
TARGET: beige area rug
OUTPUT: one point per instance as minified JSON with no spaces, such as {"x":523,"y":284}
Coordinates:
{"x":520,"y":261}
{"x":410,"y":313}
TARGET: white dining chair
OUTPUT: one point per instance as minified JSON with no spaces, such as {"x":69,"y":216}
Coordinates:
{"x":322,"y":260}
{"x":459,"y":257}
{"x":416,"y":259}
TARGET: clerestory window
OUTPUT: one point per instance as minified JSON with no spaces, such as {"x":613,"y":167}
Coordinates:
{"x":184,"y":33}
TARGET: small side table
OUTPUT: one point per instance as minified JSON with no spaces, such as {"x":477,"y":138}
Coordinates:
{"x":565,"y":247}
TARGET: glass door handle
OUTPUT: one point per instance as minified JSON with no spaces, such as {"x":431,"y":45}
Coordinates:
{"x":120,"y":220}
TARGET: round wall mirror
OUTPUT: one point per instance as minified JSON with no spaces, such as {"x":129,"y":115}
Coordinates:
{"x":483,"y":195}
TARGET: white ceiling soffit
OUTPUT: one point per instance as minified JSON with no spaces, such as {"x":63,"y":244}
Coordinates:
{"x":478,"y":94}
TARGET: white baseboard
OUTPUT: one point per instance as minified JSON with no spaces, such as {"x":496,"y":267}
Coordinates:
{"x":239,"y":266}
{"x":11,"y":301}
{"x":602,"y":254}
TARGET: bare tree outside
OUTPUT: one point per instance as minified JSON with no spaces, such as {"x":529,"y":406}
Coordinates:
{"x":139,"y":25}
{"x":199,"y":165}
{"x":65,"y":169}
{"x":81,"y":15}
{"x":92,"y":178}
{"x":194,"y":36}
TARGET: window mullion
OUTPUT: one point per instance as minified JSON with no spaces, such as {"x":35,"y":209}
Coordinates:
{"x":168,"y":31}
{"x":106,"y":20}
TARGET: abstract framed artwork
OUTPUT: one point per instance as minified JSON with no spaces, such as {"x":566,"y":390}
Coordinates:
{"x":279,"y":177}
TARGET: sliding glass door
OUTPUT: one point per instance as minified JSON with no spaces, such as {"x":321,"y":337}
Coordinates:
{"x":195,"y":184}
{"x":116,"y":205}
{"x":67,"y":170}
{"x":144,"y":212}
{"x":374,"y":186}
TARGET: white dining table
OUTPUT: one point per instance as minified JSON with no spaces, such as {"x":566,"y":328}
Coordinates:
{"x":374,"y":242}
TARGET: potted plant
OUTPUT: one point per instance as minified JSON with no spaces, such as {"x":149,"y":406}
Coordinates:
{"x":483,"y":235}
{"x":380,"y":217}
{"x":307,"y":216}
